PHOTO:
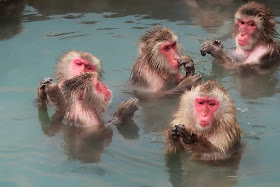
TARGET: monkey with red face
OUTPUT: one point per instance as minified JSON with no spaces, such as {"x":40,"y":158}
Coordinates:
{"x":158,"y":64}
{"x":79,"y":96}
{"x":205,"y":124}
{"x":254,"y":30}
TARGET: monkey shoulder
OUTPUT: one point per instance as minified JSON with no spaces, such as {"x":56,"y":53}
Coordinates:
{"x":148,"y":80}
{"x":256,"y":55}
{"x":225,"y":139}
{"x":137,"y":74}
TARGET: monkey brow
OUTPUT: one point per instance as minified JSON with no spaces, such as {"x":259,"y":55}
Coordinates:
{"x":81,"y":60}
{"x":251,"y":12}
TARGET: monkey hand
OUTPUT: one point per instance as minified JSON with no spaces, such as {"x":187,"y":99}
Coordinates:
{"x":188,"y":82}
{"x":126,"y":110}
{"x":180,"y":131}
{"x":174,"y":134}
{"x":211,"y":47}
{"x":41,"y":91}
{"x":187,"y":63}
{"x":45,"y":82}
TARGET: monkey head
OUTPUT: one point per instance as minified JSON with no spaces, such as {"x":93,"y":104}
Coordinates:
{"x":160,"y":48}
{"x":86,"y":91}
{"x":73,"y":63}
{"x":253,"y":23}
{"x":206,"y":108}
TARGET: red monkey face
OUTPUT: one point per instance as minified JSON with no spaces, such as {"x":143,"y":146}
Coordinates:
{"x":246,"y":29}
{"x":206,"y":107}
{"x":79,"y":66}
{"x":102,"y":89}
{"x":169,"y":51}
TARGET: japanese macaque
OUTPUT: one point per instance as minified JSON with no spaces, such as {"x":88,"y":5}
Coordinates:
{"x":80,"y":98}
{"x":254,"y":30}
{"x":205,"y":124}
{"x":158,"y":64}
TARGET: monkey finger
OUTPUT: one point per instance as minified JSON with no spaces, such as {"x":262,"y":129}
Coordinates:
{"x":217,"y":42}
{"x":202,"y":53}
{"x":179,"y":60}
{"x":184,"y":60}
{"x":204,"y":50}
{"x":42,"y":86}
{"x":196,"y":77}
{"x":133,"y":103}
{"x":46,"y":80}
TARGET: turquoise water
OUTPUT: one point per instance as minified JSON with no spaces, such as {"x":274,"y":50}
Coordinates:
{"x":35,"y":35}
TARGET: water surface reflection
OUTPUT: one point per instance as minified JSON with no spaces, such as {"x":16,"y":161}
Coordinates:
{"x":35,"y":34}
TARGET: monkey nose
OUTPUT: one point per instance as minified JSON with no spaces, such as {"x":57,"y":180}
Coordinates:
{"x":204,"y":113}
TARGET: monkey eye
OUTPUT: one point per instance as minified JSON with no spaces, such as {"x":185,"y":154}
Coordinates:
{"x":166,"y":48}
{"x":78,"y":63}
{"x":242,"y":22}
{"x":173,"y":45}
{"x":251,"y":24}
{"x":88,"y":67}
{"x":212,"y":104}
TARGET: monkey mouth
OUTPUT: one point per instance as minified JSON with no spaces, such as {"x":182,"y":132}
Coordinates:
{"x":204,"y":123}
{"x":175,"y":65}
{"x":242,"y":42}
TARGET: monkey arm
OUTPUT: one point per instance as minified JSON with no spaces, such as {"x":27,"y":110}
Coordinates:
{"x":198,"y":144}
{"x":42,"y":97}
{"x":179,"y":138}
{"x":50,"y":126}
{"x":219,"y":147}
{"x":193,"y":142}
{"x":188,"y":64}
{"x":125,"y":111}
{"x":173,"y":139}
{"x":54,"y":93}
{"x":185,"y":84}
{"x":264,"y":62}
{"x":215,"y":48}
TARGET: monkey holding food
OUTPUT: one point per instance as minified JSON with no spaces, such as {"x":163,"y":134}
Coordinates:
{"x":158,"y":65}
{"x":78,"y":94}
{"x":205,"y":124}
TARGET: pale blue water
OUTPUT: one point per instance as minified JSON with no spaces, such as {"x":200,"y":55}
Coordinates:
{"x":32,"y":41}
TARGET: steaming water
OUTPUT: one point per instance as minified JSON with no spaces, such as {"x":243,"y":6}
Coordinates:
{"x":38,"y":32}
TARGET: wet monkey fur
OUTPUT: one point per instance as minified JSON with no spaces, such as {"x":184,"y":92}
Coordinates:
{"x":158,"y":64}
{"x":205,"y":124}
{"x":254,"y":30}
{"x":78,"y":94}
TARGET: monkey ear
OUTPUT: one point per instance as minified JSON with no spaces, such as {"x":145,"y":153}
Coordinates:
{"x":272,"y":22}
{"x":141,"y":47}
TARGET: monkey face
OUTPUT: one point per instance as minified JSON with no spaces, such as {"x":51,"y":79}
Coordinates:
{"x":79,"y":65}
{"x":245,"y":36}
{"x":169,"y":51}
{"x":102,"y":90}
{"x":205,"y":107}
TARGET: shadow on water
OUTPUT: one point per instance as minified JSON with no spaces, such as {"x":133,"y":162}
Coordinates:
{"x":11,"y":18}
{"x":87,"y":145}
{"x":83,"y":144}
{"x":254,"y":86}
{"x":209,"y":14}
{"x":157,"y":114}
{"x":250,"y":84}
{"x":156,"y":9}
